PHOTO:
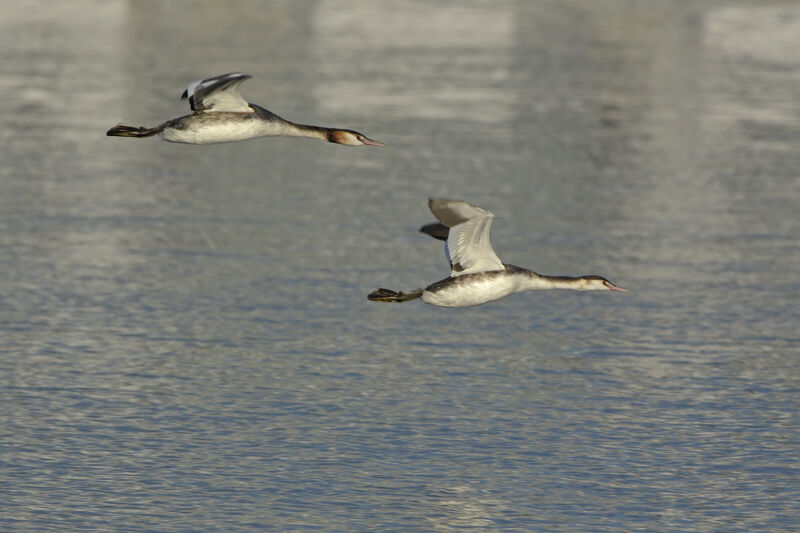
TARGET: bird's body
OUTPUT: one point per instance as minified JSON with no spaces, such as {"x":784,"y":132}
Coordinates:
{"x":227,"y":126}
{"x":475,"y":289}
{"x":477,"y":275}
{"x":221,"y":114}
{"x":210,"y":128}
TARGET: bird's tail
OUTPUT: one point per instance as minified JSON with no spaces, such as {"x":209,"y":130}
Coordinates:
{"x":121,"y":130}
{"x":386,"y":295}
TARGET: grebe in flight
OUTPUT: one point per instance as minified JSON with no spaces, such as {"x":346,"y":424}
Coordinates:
{"x":477,"y":275}
{"x":222,"y":115}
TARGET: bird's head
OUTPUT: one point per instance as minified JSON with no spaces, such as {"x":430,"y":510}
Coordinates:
{"x":351,"y":138}
{"x":597,"y":283}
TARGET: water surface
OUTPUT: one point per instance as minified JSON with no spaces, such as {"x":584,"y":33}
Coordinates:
{"x":186,"y":341}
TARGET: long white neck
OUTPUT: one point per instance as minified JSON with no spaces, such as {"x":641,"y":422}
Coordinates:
{"x":272,"y":124}
{"x":304,"y":130}
{"x":530,"y":280}
{"x":290,"y":129}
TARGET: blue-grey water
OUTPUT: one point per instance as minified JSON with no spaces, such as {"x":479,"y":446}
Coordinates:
{"x":186,"y":343}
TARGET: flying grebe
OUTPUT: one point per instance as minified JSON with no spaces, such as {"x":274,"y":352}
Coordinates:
{"x":477,"y":275}
{"x":222,"y":115}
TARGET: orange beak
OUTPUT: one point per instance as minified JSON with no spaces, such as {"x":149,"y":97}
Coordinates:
{"x":613,"y":287}
{"x":370,"y":142}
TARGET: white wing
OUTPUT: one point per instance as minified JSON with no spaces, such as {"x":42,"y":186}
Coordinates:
{"x":468,"y":246}
{"x":220,"y":93}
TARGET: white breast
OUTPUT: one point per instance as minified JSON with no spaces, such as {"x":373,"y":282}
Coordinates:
{"x":471,"y":290}
{"x":215,"y":132}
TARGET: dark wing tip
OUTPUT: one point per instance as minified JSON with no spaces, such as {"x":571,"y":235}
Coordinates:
{"x":232,"y":75}
{"x":442,"y":210}
{"x":437,"y":230}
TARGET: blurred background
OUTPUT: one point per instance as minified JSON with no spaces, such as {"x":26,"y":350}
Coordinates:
{"x":186,"y":343}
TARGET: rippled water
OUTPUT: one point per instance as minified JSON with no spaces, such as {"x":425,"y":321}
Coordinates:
{"x":186,"y":341}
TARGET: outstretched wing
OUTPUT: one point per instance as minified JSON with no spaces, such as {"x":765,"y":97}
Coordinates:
{"x":468,"y":246}
{"x":220,"y":93}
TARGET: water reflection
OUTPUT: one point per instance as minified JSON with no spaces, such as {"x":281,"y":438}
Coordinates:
{"x":405,"y":49}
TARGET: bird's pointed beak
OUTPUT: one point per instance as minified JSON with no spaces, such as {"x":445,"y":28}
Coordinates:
{"x":370,"y":142}
{"x":613,"y":287}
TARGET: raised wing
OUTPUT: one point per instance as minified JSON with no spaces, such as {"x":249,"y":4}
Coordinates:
{"x":220,"y":93}
{"x":468,"y":246}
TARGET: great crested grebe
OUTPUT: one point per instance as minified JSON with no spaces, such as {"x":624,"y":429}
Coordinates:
{"x":222,"y":115}
{"x":477,"y":275}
